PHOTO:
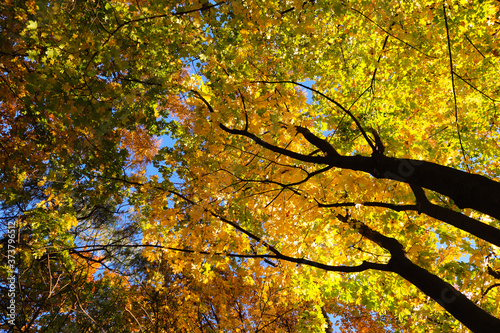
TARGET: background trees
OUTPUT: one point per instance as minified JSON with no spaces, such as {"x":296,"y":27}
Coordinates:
{"x":330,"y":157}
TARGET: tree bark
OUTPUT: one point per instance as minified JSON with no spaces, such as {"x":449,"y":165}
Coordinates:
{"x":467,"y":190}
{"x":452,"y":300}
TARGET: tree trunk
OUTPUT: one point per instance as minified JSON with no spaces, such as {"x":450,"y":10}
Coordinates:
{"x":459,"y":306}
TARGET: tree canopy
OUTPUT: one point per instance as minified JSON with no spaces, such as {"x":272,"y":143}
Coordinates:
{"x":330,"y":158}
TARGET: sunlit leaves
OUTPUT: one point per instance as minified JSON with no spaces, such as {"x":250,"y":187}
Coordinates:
{"x":88,"y":87}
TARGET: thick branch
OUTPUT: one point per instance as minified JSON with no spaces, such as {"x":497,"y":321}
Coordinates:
{"x":467,"y":190}
{"x":474,"y":227}
{"x":398,"y":208}
{"x":457,"y":304}
{"x":276,"y":149}
{"x":321,"y":144}
{"x":453,"y":301}
{"x":458,"y":220}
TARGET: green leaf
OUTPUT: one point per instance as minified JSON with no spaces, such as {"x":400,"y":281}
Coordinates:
{"x":32,"y":25}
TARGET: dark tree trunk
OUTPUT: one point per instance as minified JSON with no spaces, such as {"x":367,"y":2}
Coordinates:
{"x":459,"y":306}
{"x":452,"y":300}
{"x":467,"y":190}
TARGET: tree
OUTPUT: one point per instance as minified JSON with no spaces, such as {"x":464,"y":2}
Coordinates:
{"x":346,"y":151}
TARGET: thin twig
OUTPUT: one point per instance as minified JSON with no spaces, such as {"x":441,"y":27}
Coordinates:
{"x":452,"y":72}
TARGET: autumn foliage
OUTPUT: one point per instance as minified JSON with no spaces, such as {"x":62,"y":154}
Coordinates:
{"x":249,"y":166}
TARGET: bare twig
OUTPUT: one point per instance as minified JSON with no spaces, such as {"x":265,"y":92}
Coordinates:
{"x":452,"y":73}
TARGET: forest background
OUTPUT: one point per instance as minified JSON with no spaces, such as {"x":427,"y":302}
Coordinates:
{"x":331,"y":159}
